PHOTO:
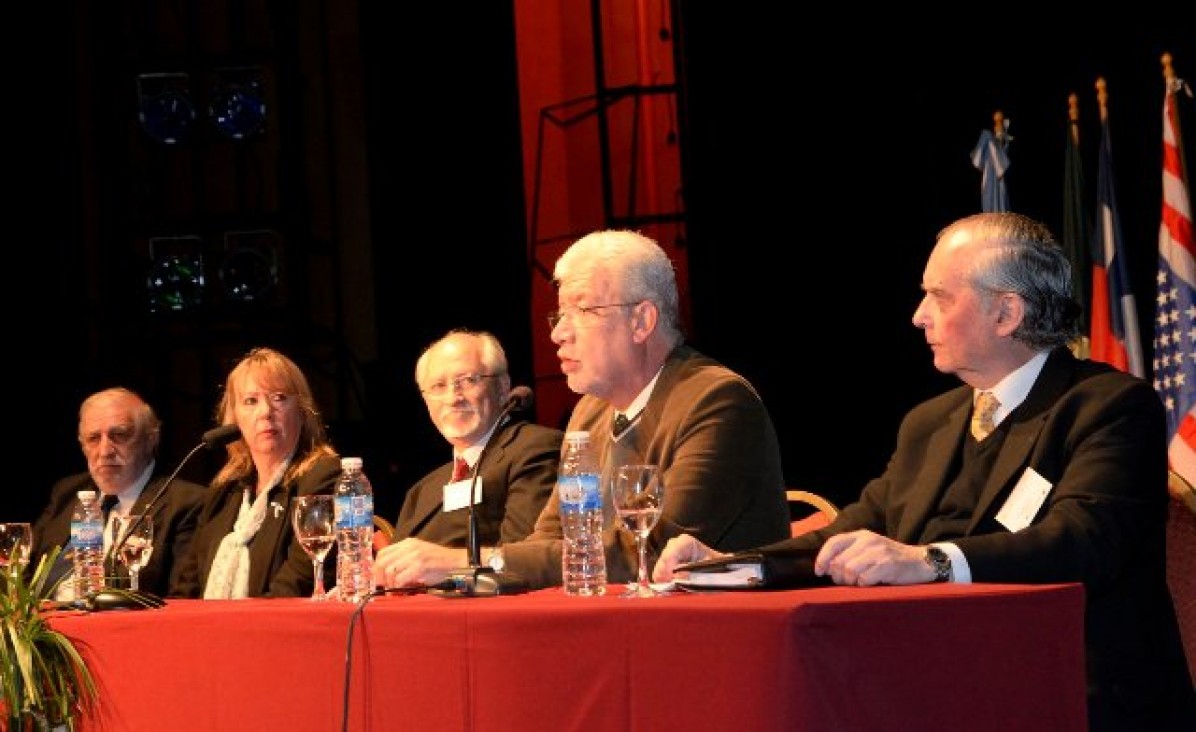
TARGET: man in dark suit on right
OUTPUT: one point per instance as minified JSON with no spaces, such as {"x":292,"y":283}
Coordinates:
{"x":1061,"y":479}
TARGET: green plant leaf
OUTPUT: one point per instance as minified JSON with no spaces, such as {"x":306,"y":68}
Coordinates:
{"x":42,"y":674}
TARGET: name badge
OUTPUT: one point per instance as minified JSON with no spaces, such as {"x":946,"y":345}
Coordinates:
{"x":1025,"y":500}
{"x":456,"y":495}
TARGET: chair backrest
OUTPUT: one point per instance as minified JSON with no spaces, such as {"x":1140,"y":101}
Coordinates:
{"x":1181,"y":560}
{"x":384,"y":533}
{"x":824,"y":514}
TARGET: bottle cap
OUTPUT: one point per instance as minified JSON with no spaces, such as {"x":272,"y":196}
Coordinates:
{"x":575,"y":435}
{"x":351,"y":463}
{"x":86,"y":495}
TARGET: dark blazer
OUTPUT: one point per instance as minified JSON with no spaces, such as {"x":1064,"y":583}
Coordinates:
{"x":174,"y":515}
{"x":518,"y":473}
{"x":278,"y":565}
{"x":1098,"y":436}
{"x":712,"y":437}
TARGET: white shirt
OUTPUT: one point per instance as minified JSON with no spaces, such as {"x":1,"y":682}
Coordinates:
{"x":1010,"y":391}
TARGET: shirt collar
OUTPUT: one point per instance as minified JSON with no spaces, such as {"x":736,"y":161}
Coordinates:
{"x":1011,"y":391}
{"x":130,"y":493}
{"x":472,"y":452}
{"x":637,"y":405}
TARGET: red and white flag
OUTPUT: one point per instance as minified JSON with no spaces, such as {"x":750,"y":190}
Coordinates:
{"x":1175,"y":318}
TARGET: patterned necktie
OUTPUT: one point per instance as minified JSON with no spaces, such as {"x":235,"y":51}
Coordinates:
{"x":982,"y":415}
{"x":460,"y":469}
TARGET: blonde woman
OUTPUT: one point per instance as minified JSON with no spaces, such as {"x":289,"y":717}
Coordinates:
{"x":244,"y":545}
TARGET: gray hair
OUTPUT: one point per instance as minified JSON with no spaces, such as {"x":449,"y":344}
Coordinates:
{"x":1022,"y":256}
{"x":145,"y":420}
{"x":494,"y":358}
{"x":642,"y":270}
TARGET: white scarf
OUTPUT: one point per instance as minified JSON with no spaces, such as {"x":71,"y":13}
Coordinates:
{"x":229,"y":577}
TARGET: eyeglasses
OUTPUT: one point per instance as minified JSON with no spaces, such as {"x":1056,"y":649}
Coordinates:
{"x":464,"y":382}
{"x":573,"y":311}
{"x":116,"y":435}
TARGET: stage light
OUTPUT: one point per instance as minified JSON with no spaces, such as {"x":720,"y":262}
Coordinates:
{"x":237,"y":105}
{"x":176,"y":279}
{"x":164,"y":107}
{"x":249,"y":271}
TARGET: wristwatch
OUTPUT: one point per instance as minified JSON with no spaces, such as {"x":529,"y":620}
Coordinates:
{"x":939,"y":562}
{"x":496,"y":560}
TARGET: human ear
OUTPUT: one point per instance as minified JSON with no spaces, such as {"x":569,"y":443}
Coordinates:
{"x":1010,"y":312}
{"x":643,"y":320}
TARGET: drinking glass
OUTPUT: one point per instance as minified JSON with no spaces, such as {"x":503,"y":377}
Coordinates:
{"x":137,"y":547}
{"x":637,"y":492}
{"x":314,"y":521}
{"x":15,"y":542}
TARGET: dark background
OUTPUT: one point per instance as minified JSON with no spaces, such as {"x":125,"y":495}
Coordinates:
{"x":820,"y":159}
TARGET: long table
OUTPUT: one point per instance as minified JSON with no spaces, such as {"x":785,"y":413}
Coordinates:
{"x":924,"y":658}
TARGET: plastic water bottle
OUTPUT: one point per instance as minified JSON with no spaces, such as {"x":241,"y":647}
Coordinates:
{"x":87,"y":540}
{"x":578,"y":484}
{"x":354,"y":531}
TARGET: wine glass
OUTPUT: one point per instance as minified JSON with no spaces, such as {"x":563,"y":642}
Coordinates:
{"x":314,"y":521}
{"x":15,"y":542}
{"x":137,"y":547}
{"x":638,"y":495}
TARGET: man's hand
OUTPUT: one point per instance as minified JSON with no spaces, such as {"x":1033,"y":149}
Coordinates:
{"x":416,"y":562}
{"x":680,"y":550}
{"x":866,"y":558}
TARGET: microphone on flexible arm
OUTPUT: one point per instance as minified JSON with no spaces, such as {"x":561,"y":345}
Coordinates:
{"x":478,"y":580}
{"x":212,"y":439}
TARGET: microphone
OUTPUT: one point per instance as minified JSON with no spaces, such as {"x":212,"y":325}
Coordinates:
{"x":212,"y":439}
{"x":520,"y":399}
{"x":218,"y":437}
{"x":477,"y":580}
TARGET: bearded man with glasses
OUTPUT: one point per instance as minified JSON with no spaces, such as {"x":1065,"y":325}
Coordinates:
{"x":464,"y":381}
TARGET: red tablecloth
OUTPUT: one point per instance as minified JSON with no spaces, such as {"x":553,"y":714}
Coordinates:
{"x":934,"y":657}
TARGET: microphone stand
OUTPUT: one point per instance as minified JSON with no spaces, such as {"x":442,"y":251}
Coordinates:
{"x":479,"y":580}
{"x":114,"y":550}
{"x":212,"y":439}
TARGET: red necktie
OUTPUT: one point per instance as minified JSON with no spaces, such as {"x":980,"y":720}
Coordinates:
{"x":460,"y":469}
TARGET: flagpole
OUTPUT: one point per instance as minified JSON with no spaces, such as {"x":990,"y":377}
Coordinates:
{"x":1172,"y":85}
{"x":1075,"y":226}
{"x":1000,"y":128}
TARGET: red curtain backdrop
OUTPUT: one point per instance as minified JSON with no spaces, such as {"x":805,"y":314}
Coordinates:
{"x":601,"y":145}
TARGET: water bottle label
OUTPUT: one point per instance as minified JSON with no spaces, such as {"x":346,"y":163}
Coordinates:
{"x":354,"y":512}
{"x":579,"y":492}
{"x":87,"y":534}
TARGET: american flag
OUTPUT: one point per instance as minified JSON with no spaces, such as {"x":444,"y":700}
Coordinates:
{"x":1175,"y":319}
{"x":1114,"y":335}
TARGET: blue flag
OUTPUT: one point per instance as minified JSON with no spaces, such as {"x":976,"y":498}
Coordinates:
{"x":990,"y":159}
